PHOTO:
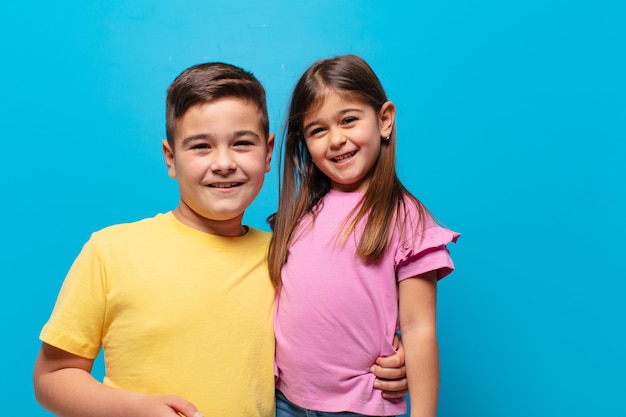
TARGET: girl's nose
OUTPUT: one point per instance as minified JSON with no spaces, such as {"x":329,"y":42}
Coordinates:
{"x":337,"y":138}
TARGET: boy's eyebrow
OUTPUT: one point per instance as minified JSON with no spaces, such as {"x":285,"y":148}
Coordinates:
{"x":235,"y":135}
{"x":240,"y":133}
{"x":195,"y":137}
{"x":339,"y":113}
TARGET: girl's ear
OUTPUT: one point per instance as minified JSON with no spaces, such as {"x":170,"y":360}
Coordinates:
{"x":386,"y":118}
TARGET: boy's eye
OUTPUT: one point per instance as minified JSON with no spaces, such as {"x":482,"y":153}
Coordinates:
{"x":200,"y":146}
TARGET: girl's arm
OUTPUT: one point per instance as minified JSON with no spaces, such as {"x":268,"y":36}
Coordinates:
{"x":418,"y":304}
{"x":64,"y":386}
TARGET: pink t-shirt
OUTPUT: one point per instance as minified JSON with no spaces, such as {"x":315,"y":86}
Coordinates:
{"x":336,"y":314}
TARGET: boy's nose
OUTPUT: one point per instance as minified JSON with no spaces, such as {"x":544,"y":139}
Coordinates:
{"x":222,"y":161}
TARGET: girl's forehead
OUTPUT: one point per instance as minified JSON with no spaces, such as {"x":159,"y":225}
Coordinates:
{"x":332,"y":94}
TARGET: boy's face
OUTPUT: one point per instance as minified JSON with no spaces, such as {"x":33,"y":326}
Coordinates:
{"x":220,"y":158}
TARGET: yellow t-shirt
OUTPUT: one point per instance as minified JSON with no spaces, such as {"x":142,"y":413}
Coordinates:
{"x":177,"y":311}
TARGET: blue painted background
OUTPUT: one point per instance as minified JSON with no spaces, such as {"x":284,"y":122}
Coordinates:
{"x":511,"y":129}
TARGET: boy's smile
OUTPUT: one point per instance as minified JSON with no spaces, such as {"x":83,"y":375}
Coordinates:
{"x":220,"y":159}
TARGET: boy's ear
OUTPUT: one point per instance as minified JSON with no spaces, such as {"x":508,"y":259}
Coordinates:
{"x":386,"y":118}
{"x":168,"y":153}
{"x":270,"y":149}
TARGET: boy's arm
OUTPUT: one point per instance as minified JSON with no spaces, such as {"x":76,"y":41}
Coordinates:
{"x":391,"y":373}
{"x":418,"y":305}
{"x":64,"y":385}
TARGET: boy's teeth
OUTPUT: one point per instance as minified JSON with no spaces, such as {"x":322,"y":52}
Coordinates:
{"x":224,"y":185}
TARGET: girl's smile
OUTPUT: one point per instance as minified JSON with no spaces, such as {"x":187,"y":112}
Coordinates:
{"x":343,"y":136}
{"x":343,"y":158}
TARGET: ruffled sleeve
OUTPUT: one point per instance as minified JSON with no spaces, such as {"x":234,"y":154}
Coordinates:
{"x":426,"y":252}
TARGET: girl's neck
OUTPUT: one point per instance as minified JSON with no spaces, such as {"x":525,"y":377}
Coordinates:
{"x":342,"y":191}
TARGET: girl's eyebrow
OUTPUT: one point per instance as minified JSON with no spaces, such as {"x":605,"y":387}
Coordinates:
{"x":338,"y":114}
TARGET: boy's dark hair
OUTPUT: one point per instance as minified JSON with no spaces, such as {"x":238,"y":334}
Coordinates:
{"x":204,"y":83}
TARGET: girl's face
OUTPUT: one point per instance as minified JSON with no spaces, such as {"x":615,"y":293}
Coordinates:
{"x":343,"y":136}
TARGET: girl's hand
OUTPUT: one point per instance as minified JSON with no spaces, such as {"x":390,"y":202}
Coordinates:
{"x":391,"y":373}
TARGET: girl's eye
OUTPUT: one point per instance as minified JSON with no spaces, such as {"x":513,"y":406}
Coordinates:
{"x":315,"y":131}
{"x":243,"y":143}
{"x":349,"y":120}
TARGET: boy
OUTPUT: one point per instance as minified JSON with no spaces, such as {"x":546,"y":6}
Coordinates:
{"x":181,"y":303}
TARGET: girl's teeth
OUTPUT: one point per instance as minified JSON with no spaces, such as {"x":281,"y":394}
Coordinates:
{"x":343,"y":157}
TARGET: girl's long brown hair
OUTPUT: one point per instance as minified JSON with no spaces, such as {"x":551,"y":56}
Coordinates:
{"x":303,"y":185}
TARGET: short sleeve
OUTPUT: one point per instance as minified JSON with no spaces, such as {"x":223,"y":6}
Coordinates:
{"x":75,"y":324}
{"x":426,"y":252}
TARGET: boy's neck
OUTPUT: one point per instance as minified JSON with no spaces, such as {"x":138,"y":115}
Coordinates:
{"x":225,"y":228}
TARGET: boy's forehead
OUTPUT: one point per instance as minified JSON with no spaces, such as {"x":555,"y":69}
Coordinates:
{"x":221,"y":116}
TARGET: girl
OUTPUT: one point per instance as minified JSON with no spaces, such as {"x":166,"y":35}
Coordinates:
{"x":355,"y":256}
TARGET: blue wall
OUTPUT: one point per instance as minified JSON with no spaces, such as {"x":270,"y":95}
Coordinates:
{"x":511,"y":129}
